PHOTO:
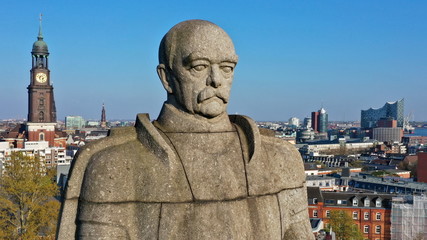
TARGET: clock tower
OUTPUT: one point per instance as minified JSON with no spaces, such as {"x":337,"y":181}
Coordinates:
{"x":41,"y":104}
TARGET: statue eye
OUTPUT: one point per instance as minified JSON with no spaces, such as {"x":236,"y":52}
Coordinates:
{"x":199,"y":67}
{"x":227,"y":69}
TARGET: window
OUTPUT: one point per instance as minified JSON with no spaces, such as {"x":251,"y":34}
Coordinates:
{"x":328,"y":213}
{"x":315,"y":213}
{"x":366,"y":215}
{"x":378,"y":216}
{"x":355,"y":203}
{"x":366,"y":202}
{"x":41,"y":116}
{"x":378,"y":203}
{"x":314,"y":200}
{"x":378,"y":229}
{"x":366,"y":229}
{"x":41,"y":137}
{"x":355,"y":215}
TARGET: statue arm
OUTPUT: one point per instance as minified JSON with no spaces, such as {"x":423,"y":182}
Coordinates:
{"x":295,"y":219}
{"x":293,"y":199}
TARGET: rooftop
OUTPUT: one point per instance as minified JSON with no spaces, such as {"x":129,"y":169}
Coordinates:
{"x":392,"y":182}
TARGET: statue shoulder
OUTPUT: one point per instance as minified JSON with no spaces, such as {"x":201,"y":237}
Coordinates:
{"x":284,"y":163}
{"x":272,"y":143}
{"x":69,"y":207}
{"x":116,"y":136}
{"x":272,"y":164}
{"x":109,"y":175}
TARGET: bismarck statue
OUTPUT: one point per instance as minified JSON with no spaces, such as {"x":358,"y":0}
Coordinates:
{"x":195,"y":172}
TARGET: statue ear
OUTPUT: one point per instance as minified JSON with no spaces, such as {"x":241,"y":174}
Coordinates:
{"x":161,"y":72}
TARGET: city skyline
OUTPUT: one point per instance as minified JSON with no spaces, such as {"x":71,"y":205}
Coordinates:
{"x":294,"y":57}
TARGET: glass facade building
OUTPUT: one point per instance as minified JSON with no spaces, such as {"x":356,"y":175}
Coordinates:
{"x":323,"y":120}
{"x":74,"y":122}
{"x":319,"y":121}
{"x":370,"y":117}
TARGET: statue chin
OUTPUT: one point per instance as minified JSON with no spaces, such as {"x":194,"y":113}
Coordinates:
{"x":212,"y":108}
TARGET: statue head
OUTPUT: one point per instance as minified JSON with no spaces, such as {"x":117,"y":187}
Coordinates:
{"x":196,"y":67}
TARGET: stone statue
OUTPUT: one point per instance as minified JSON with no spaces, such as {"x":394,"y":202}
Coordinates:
{"x":195,"y":172}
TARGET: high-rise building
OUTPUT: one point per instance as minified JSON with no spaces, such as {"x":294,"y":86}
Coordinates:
{"x":315,"y":121}
{"x":370,"y":117}
{"x":323,"y":120}
{"x":319,"y":121}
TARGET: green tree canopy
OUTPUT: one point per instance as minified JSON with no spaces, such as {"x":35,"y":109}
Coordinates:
{"x":28,"y":209}
{"x":344,"y":227}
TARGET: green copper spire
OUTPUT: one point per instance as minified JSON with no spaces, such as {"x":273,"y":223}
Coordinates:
{"x":40,"y":36}
{"x":40,"y":46}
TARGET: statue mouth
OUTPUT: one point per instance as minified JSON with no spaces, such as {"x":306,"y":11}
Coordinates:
{"x":210,"y":94}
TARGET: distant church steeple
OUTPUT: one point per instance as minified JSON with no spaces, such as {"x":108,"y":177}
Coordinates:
{"x":103,"y":117}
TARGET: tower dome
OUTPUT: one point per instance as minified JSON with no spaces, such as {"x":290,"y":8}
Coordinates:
{"x":40,"y":46}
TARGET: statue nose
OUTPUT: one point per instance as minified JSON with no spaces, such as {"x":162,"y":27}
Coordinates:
{"x":215,"y":78}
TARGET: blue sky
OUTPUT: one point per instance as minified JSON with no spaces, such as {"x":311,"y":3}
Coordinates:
{"x":294,"y":56}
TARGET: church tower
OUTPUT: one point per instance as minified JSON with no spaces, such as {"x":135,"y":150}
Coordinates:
{"x":41,"y":104}
{"x":103,"y":118}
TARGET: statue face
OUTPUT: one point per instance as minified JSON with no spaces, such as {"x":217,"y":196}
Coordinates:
{"x":202,"y":71}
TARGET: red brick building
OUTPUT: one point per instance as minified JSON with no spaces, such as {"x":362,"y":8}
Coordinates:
{"x":315,"y":121}
{"x":371,"y":212}
{"x":414,"y":140}
{"x":422,"y":167}
{"x":387,"y":123}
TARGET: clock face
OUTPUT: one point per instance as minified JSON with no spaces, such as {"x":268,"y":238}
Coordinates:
{"x":41,"y":77}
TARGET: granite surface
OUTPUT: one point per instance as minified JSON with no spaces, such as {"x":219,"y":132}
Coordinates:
{"x":195,"y":172}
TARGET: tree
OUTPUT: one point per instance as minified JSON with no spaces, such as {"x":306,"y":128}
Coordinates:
{"x":320,"y":163}
{"x":28,"y":209}
{"x":357,"y":163}
{"x":405,"y":165}
{"x":343,"y":226}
